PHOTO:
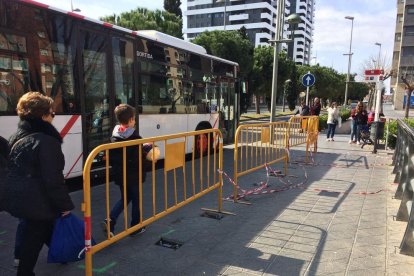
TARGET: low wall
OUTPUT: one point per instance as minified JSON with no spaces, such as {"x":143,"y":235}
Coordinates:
{"x":345,"y":128}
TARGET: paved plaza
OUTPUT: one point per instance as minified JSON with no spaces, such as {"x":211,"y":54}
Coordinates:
{"x":335,"y":218}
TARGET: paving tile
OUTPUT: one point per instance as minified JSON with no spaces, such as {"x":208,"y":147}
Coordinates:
{"x":328,"y":267}
{"x":366,"y":272}
{"x":340,"y":255}
{"x":377,"y":261}
{"x":287,"y":266}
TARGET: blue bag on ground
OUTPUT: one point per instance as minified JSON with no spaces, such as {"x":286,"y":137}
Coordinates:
{"x":68,"y":240}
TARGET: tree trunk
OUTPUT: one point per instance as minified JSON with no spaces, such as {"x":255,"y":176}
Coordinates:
{"x":407,"y":103}
{"x":371,"y":98}
{"x":408,"y":89}
{"x":257,"y":103}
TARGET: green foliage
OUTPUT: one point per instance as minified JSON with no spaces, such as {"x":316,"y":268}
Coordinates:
{"x":262,"y":73}
{"x":357,"y":90}
{"x":173,"y":6}
{"x":329,"y":84}
{"x":144,"y":19}
{"x":392,"y":130}
{"x":229,"y":45}
{"x":293,"y":92}
{"x":345,"y":113}
{"x":323,"y":121}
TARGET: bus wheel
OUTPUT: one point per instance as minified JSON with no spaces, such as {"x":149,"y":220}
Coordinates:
{"x":202,"y":141}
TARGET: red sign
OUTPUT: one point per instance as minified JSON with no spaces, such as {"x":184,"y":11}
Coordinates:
{"x":374,"y":72}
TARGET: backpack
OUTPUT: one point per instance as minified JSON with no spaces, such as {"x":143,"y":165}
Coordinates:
{"x":305,"y":111}
{"x":4,"y":153}
{"x":4,"y":162}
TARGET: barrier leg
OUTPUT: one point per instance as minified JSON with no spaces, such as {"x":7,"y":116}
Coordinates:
{"x":88,"y":263}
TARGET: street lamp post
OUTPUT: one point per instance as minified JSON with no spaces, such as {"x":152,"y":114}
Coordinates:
{"x":225,"y":12}
{"x":291,"y":19}
{"x":72,"y":9}
{"x":379,"y":55}
{"x":287,"y":83}
{"x":349,"y":58}
{"x":313,"y":58}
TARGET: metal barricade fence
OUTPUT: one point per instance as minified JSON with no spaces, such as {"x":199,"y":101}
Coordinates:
{"x":404,"y":166}
{"x":256,"y":146}
{"x":303,"y":130}
{"x":166,"y":193}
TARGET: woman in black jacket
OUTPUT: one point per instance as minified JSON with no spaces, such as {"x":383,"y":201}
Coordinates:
{"x":361,"y":120}
{"x":34,"y":191}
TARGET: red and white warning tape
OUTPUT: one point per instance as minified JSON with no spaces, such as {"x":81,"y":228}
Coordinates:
{"x":287,"y":184}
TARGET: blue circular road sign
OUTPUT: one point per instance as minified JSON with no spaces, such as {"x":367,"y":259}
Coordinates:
{"x":308,"y":80}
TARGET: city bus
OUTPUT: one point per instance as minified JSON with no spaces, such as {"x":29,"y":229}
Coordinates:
{"x":88,"y":67}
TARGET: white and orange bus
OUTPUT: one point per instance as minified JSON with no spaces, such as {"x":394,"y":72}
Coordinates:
{"x":88,"y":67}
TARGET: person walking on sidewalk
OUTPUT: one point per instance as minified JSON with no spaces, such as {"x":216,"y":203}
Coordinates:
{"x":35,"y":190}
{"x":353,"y":125}
{"x":125,"y":131}
{"x":361,"y":120}
{"x":332,"y":121}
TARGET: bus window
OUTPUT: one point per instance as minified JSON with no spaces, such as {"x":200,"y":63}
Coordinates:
{"x":123,"y":55}
{"x":162,"y":95}
{"x":14,"y":81}
{"x":95,"y":89}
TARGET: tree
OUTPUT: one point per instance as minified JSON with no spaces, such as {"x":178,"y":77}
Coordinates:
{"x":173,"y":6}
{"x":372,"y":62}
{"x":144,"y":19}
{"x":262,"y":73}
{"x":243,"y":32}
{"x":292,"y":92}
{"x":229,"y":45}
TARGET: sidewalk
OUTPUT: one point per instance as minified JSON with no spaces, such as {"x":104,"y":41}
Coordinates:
{"x":337,"y":221}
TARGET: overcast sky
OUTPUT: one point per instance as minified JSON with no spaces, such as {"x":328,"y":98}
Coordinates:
{"x":374,"y":22}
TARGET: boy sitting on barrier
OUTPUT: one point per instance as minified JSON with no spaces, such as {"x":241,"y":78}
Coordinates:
{"x":125,"y":115}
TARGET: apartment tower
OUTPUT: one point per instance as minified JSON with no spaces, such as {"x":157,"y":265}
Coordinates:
{"x":259,"y":19}
{"x":403,"y":55}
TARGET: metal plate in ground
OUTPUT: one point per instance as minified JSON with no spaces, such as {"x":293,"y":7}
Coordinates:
{"x":168,"y":243}
{"x":330,"y":194}
{"x":212,"y":215}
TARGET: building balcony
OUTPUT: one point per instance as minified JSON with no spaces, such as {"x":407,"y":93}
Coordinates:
{"x":236,"y":17}
{"x":199,"y":2}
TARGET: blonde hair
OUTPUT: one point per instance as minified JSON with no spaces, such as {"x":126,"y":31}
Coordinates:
{"x":33,"y":105}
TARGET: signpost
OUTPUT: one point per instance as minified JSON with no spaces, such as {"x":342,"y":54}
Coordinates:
{"x":308,"y":80}
{"x":374,"y":75}
{"x":377,"y":76}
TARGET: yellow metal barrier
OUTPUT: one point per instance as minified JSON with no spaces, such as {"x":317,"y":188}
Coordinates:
{"x":303,"y":130}
{"x":257,"y":145}
{"x":205,"y":177}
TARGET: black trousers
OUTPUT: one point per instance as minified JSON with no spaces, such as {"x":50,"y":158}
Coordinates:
{"x":35,"y":234}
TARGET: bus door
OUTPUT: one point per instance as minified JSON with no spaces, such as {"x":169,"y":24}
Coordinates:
{"x":227,"y":107}
{"x":94,"y":85}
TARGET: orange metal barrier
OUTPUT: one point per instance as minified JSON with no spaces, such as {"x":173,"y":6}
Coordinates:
{"x":166,"y":193}
{"x":303,"y":130}
{"x":258,"y":145}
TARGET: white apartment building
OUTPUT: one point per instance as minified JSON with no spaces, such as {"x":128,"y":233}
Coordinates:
{"x":257,"y":16}
{"x":302,"y":50}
